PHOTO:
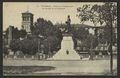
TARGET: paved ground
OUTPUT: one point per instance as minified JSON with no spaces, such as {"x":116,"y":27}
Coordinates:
{"x":95,"y":67}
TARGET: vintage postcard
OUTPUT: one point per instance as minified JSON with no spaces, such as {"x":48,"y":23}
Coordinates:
{"x":57,"y":38}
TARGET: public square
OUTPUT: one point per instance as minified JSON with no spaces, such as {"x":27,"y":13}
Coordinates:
{"x":59,"y":39}
{"x":59,"y":67}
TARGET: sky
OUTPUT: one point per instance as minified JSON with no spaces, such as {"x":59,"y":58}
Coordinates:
{"x":54,"y":11}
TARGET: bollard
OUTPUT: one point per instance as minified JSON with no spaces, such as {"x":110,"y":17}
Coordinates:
{"x":103,"y":56}
{"x":24,"y":57}
{"x":5,"y":56}
{"x":89,"y":57}
{"x":96,"y":56}
{"x":15,"y":57}
{"x":43,"y":56}
{"x":32,"y":57}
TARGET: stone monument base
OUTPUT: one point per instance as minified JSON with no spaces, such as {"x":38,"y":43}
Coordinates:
{"x":66,"y":45}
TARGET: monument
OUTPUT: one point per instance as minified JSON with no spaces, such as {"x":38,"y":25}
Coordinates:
{"x":67,"y":51}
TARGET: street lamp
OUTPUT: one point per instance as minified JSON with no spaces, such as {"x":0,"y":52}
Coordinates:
{"x":38,"y":49}
{"x":111,"y":40}
{"x":49,"y":50}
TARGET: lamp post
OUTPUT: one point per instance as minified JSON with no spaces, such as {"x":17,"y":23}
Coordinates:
{"x":40,"y":46}
{"x":111,"y":39}
{"x":49,"y":50}
{"x":42,"y":51}
{"x":38,"y":49}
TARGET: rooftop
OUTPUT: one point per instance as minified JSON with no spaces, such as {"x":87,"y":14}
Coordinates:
{"x":27,"y":12}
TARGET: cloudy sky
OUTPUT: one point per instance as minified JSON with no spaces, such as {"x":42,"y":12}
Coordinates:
{"x":56,"y":12}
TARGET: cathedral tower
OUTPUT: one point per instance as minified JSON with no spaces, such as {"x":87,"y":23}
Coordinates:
{"x":27,"y":21}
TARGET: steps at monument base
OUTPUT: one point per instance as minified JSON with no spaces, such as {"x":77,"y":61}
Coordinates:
{"x":66,"y":45}
{"x":61,"y":55}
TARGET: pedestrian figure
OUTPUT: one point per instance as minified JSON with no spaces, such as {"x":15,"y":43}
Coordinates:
{"x":81,"y":57}
{"x":67,"y":52}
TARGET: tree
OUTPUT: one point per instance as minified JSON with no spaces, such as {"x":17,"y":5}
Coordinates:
{"x":22,"y":33}
{"x":87,"y":40}
{"x":105,"y":36}
{"x":4,"y":46}
{"x":90,"y":42}
{"x":16,"y":34}
{"x":101,"y":14}
{"x":46,"y":28}
{"x":79,"y":33}
{"x":30,"y":46}
{"x":40,"y":26}
{"x":53,"y":31}
{"x":88,"y":13}
{"x":5,"y":49}
{"x":105,"y":13}
{"x":43,"y":31}
{"x":50,"y":44}
{"x":51,"y":34}
{"x":98,"y":13}
{"x":15,"y":45}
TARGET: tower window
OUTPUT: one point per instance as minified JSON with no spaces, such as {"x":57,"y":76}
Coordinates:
{"x":23,"y":18}
{"x":26,"y":18}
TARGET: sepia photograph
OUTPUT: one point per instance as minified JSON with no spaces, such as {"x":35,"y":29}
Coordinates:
{"x":59,"y":38}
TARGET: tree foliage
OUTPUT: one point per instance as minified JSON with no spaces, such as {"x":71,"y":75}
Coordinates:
{"x":90,"y":42}
{"x":43,"y":33}
{"x":27,"y":46}
{"x":87,"y":40}
{"x":51,"y":34}
{"x":16,"y":34}
{"x":105,"y":13}
{"x":51,"y":44}
{"x":15,"y":45}
{"x":40,"y":26}
{"x":98,"y":13}
{"x":78,"y":33}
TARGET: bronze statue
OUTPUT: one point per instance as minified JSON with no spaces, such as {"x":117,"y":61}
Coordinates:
{"x":68,"y":22}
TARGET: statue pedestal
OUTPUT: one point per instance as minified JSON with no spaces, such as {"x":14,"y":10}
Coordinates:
{"x":66,"y":45}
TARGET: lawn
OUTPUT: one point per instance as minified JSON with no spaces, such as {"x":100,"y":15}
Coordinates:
{"x":25,"y":69}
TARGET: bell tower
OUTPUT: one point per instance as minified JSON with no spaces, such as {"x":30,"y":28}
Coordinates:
{"x":27,"y":21}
